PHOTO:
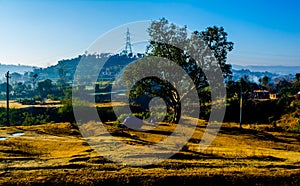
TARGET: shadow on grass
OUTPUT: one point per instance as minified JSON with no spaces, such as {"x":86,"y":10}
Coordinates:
{"x":260,"y":135}
{"x":280,"y":166}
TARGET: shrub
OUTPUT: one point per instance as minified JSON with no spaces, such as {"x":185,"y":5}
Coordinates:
{"x":65,"y":112}
{"x":296,"y":128}
{"x":29,"y":119}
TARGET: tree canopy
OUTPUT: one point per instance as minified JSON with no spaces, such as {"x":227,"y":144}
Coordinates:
{"x":199,"y":54}
{"x":216,"y":39}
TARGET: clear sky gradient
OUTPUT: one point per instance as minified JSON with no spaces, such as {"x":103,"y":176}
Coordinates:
{"x":42,"y":32}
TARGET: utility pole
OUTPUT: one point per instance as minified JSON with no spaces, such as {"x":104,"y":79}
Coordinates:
{"x":7,"y":75}
{"x":241,"y":109}
{"x":241,"y":103}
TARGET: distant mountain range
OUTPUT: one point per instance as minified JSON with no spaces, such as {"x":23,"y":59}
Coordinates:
{"x":21,"y":69}
{"x":254,"y":72}
{"x":280,"y":70}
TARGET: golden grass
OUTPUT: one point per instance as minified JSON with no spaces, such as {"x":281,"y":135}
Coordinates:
{"x":50,"y":103}
{"x":12,"y":104}
{"x":111,"y":104}
{"x":290,"y":120}
{"x":56,"y":154}
{"x":16,"y":105}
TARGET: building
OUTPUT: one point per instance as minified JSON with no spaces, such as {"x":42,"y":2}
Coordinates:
{"x":261,"y":94}
{"x":298,"y":96}
{"x":273,"y":96}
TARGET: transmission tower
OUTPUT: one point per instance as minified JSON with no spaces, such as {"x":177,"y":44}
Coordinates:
{"x":128,"y":48}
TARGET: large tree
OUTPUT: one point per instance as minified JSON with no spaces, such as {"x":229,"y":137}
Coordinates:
{"x":190,"y":52}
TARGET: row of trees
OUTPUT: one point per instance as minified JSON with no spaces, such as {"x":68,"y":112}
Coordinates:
{"x":43,"y":90}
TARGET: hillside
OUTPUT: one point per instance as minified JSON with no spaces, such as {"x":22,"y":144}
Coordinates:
{"x":14,"y":68}
{"x":66,"y":68}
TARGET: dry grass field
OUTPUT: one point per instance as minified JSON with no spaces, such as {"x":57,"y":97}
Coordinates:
{"x":56,"y":154}
{"x":16,"y":105}
{"x":50,"y":103}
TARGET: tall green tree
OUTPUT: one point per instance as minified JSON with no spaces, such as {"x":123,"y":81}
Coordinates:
{"x":216,"y":39}
{"x":45,"y":88}
{"x":172,"y":42}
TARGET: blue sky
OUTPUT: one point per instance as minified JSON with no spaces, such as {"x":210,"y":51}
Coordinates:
{"x":42,"y":32}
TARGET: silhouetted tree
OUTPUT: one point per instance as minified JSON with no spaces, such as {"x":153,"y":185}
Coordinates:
{"x":297,"y":77}
{"x":265,"y":81}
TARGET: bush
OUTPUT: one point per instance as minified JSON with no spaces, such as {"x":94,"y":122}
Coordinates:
{"x":296,"y":128}
{"x":29,"y":119}
{"x":2,"y":117}
{"x":66,"y":111}
{"x":24,"y":116}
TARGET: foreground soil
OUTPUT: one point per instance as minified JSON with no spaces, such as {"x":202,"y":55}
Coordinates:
{"x":57,"y":154}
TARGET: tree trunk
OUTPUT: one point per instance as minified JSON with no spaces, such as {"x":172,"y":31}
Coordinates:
{"x":177,"y":111}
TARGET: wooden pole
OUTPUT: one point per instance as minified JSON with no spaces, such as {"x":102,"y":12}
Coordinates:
{"x":7,"y":98}
{"x":241,"y":109}
{"x":241,"y":102}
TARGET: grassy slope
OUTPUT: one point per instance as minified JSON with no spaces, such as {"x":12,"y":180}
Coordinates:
{"x":55,"y":154}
